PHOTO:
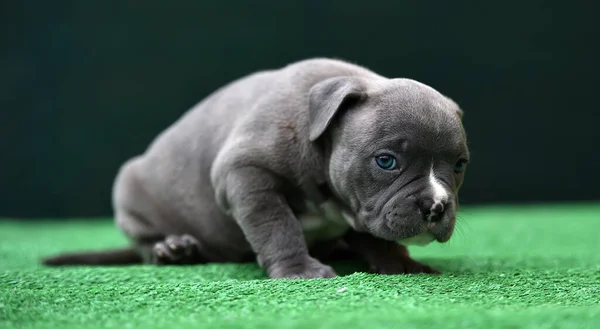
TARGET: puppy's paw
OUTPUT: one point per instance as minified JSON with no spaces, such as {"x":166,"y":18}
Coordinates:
{"x":305,"y":268}
{"x":401,"y":265}
{"x":176,"y":250}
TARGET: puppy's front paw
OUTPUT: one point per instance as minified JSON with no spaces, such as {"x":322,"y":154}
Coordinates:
{"x":305,"y":268}
{"x":400,"y":265}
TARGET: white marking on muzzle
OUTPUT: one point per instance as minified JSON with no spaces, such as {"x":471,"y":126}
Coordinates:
{"x":440,"y":194}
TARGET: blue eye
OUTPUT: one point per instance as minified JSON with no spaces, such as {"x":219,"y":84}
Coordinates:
{"x":460,"y":166}
{"x":386,"y":162}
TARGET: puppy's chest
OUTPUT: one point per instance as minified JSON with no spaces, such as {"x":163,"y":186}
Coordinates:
{"x":323,"y":221}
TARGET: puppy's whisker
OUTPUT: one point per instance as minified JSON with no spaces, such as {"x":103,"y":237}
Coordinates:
{"x":464,"y":224}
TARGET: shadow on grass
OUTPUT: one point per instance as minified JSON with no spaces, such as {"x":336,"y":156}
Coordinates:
{"x":455,"y":266}
{"x":448,"y":266}
{"x":472,"y":265}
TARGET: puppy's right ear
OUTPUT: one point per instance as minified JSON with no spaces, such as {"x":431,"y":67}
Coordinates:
{"x":456,"y":108}
{"x":330,"y":97}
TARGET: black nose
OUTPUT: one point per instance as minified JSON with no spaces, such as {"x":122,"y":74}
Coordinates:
{"x":432,"y":210}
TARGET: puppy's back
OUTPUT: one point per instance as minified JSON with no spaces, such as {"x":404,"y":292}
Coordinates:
{"x":175,"y":169}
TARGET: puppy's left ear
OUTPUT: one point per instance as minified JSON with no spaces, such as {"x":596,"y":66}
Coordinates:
{"x":328,"y":98}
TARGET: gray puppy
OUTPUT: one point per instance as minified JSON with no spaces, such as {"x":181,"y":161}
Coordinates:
{"x":292,"y":166}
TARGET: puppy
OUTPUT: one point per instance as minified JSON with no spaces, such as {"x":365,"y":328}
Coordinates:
{"x":290,"y":166}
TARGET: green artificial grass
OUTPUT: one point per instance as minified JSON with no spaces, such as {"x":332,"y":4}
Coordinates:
{"x":506,"y":267}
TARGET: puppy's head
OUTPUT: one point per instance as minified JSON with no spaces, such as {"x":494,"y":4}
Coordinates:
{"x":396,"y":152}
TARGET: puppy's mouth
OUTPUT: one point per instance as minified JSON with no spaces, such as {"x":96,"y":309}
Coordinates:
{"x":429,"y":232}
{"x":407,"y":229}
{"x":426,"y":237}
{"x":422,"y":239}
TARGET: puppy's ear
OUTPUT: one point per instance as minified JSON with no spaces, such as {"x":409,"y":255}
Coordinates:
{"x":456,"y":108}
{"x":328,"y":98}
{"x":459,"y":112}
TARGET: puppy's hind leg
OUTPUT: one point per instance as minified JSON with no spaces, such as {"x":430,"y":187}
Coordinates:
{"x":158,"y":249}
{"x":135,"y":212}
{"x":177,"y":250}
{"x":148,"y":226}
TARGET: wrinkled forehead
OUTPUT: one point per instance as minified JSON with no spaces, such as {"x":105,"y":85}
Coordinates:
{"x":411,"y":115}
{"x":405,"y":98}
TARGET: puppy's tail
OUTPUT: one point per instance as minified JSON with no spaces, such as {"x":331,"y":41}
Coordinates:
{"x":124,"y":256}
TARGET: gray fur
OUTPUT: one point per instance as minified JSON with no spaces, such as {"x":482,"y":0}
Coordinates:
{"x":240,"y":171}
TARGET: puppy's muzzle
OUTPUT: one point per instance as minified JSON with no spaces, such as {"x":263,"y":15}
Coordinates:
{"x":432,"y":210}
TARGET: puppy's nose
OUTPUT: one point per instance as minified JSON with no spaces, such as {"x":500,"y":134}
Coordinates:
{"x":433,"y":210}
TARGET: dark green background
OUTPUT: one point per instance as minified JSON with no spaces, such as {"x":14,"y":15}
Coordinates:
{"x":84,"y":85}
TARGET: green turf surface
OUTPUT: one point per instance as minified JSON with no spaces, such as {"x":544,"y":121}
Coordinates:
{"x":507,"y":267}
